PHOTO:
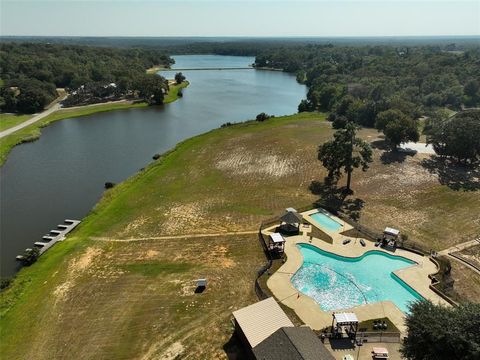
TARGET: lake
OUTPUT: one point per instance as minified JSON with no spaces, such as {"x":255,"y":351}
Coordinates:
{"x":62,"y":175}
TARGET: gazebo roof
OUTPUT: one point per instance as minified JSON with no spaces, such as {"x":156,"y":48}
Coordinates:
{"x":391,"y":231}
{"x":345,"y":318}
{"x":291,"y":217}
{"x":277,"y":238}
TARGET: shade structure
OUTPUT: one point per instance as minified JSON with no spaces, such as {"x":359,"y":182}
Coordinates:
{"x":291,"y":217}
{"x":277,"y":238}
{"x":345,"y":318}
{"x":260,"y":320}
{"x":391,"y":231}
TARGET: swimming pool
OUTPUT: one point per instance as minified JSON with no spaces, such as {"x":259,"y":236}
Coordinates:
{"x":326,"y":221}
{"x":336,"y":282}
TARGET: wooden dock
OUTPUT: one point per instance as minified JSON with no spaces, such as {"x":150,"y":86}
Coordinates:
{"x":54,"y":236}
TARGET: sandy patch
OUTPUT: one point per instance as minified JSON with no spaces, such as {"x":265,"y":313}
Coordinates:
{"x":178,"y":216}
{"x":173,"y":351}
{"x":420,"y":148}
{"x":135,"y":225}
{"x":409,"y":173}
{"x":76,"y":267}
{"x":244,"y":162}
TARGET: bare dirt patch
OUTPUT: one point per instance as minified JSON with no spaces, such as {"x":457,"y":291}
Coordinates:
{"x":241,"y":161}
{"x":75,"y":268}
{"x":173,"y":352}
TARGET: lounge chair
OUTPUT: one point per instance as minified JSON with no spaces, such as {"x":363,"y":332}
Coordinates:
{"x":362,"y":242}
{"x":346,"y":241}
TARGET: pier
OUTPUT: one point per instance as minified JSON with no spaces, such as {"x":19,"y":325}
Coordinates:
{"x":54,"y":236}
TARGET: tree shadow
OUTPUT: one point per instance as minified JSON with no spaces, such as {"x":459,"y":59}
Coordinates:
{"x":234,"y":348}
{"x":334,"y":199}
{"x":380,"y":144}
{"x":456,"y":176}
{"x":390,"y":157}
{"x":342,"y":344}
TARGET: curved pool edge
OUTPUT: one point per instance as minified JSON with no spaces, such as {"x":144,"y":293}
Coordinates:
{"x":310,"y":312}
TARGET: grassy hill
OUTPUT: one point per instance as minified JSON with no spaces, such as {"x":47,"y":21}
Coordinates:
{"x":122,"y":286}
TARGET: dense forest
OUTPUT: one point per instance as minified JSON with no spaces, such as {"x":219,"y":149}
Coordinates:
{"x":413,"y":80}
{"x":31,"y":72}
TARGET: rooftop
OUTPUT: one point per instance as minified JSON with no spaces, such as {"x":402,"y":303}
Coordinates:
{"x":260,"y":320}
{"x":292,"y":343}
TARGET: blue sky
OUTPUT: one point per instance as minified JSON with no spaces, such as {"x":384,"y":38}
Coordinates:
{"x":239,"y":17}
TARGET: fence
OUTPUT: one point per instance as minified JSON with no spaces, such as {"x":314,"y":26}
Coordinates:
{"x":381,"y":337}
{"x":261,"y":294}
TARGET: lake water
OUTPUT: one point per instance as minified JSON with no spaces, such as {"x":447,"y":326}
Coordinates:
{"x":62,"y":174}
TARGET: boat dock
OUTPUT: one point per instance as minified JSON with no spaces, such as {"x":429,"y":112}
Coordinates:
{"x":54,"y":236}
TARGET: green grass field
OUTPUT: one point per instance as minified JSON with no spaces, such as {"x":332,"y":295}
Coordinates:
{"x":9,"y":120}
{"x":32,"y":132}
{"x":108,"y":297}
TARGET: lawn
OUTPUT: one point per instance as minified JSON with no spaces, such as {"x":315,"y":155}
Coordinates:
{"x":108,"y":297}
{"x":9,"y":120}
{"x":33,"y":132}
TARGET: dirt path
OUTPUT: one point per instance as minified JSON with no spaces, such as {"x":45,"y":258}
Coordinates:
{"x":173,"y":237}
{"x":460,"y":247}
{"x":464,"y":263}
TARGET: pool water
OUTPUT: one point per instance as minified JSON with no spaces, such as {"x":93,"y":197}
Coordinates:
{"x":326,"y":221}
{"x":336,"y":282}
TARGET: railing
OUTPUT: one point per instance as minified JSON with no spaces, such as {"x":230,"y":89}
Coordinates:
{"x":370,"y":337}
{"x":461,"y":258}
{"x":379,"y":337}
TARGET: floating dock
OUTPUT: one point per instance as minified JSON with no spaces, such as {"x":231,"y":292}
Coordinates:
{"x":54,"y":236}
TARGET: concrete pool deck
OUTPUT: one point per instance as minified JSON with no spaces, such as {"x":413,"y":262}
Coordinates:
{"x":416,"y":276}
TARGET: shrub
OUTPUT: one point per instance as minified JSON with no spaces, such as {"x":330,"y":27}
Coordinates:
{"x":109,"y":185}
{"x":263,"y":116}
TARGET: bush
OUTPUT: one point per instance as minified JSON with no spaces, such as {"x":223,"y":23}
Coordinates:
{"x":30,"y":256}
{"x":109,"y":185}
{"x":5,"y":283}
{"x":263,"y":116}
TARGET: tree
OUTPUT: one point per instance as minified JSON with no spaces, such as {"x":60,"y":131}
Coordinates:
{"x":345,"y":152}
{"x":442,"y":333}
{"x":263,"y":116}
{"x":30,"y":256}
{"x":152,"y":88}
{"x":397,"y":127}
{"x":458,"y":136}
{"x":179,"y":78}
{"x":305,"y":106}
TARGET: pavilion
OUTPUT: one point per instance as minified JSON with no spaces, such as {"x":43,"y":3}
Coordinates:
{"x":290,"y":222}
{"x":345,"y":322}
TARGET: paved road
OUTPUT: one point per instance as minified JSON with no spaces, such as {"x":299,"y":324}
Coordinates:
{"x":31,"y":121}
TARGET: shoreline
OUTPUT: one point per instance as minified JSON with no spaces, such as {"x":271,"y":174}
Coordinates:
{"x":33,"y":131}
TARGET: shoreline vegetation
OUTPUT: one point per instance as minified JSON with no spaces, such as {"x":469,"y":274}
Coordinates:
{"x":33,"y":132}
